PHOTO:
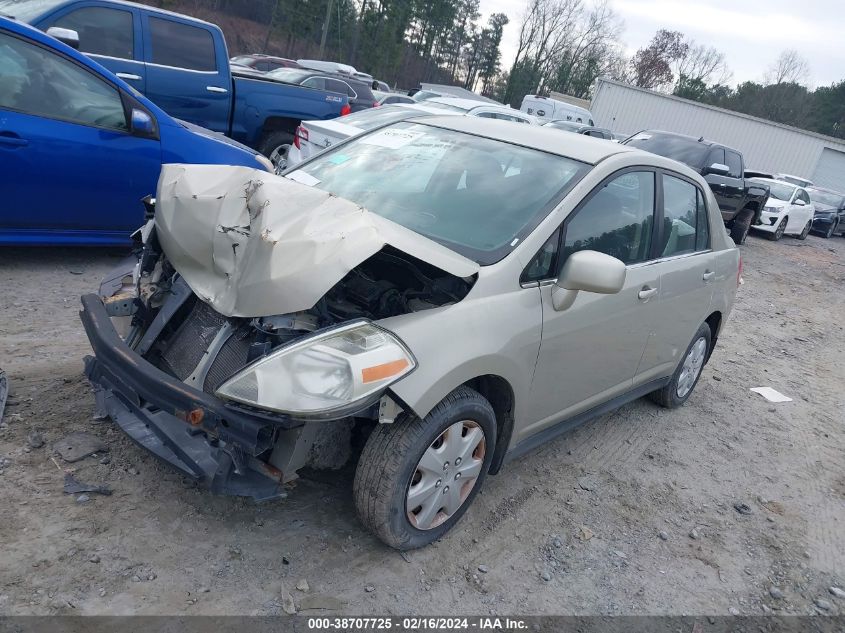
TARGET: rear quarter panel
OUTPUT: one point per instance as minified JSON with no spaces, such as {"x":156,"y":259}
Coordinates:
{"x":257,"y":100}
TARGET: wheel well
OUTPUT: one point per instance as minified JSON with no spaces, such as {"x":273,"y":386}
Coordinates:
{"x":714,"y":322}
{"x":279,"y":124}
{"x":499,"y":394}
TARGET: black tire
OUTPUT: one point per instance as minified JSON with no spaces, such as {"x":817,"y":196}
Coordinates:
{"x":274,"y":140}
{"x":668,"y":396}
{"x":806,"y":231}
{"x":830,"y":231}
{"x":775,"y":237}
{"x":740,"y":226}
{"x":390,"y":458}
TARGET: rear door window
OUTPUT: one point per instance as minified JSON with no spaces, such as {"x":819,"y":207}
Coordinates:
{"x":181,"y":45}
{"x":684,"y":215}
{"x":734,"y":164}
{"x":102,"y":31}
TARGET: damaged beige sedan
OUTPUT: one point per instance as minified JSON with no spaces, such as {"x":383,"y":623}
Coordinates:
{"x":429,"y":300}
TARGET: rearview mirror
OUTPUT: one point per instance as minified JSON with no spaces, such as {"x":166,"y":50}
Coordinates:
{"x":67,"y":36}
{"x":142,"y":123}
{"x":719,"y":169}
{"x":589,"y":271}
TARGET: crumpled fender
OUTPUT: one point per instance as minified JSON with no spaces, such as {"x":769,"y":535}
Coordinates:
{"x":254,"y":244}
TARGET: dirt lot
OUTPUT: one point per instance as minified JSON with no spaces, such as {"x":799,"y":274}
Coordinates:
{"x":631,"y":514}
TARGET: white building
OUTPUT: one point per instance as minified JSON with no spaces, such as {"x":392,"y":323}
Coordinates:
{"x":766,"y":146}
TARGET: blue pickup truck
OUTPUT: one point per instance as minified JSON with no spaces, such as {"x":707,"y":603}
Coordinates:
{"x":182,"y":65}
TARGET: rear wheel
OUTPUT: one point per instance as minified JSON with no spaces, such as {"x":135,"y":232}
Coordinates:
{"x":740,"y":226}
{"x":779,"y":231}
{"x":417,"y":476}
{"x":686,"y":376}
{"x":275,"y":146}
{"x":806,"y":230}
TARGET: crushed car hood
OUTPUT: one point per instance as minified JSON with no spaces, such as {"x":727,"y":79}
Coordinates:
{"x":253,"y":244}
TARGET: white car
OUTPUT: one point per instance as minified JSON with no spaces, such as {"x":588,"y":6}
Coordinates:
{"x":794,"y":180}
{"x":788,"y":210}
{"x":312,"y":137}
{"x":471,"y":107}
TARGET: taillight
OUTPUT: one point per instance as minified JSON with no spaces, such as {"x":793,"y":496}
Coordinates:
{"x":346,"y":109}
{"x":739,"y":272}
{"x":301,"y":133}
{"x":376,"y":104}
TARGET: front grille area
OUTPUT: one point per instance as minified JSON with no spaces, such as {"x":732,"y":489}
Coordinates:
{"x":232,"y":357}
{"x":186,"y":348}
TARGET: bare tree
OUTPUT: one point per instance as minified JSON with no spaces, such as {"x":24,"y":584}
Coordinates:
{"x":702,"y":63}
{"x":789,"y":67}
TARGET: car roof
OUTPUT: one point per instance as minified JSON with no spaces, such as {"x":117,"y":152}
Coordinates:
{"x":779,"y":181}
{"x":469,"y":104}
{"x":698,"y":139}
{"x":577,"y":146}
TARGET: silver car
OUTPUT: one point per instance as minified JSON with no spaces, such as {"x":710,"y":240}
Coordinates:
{"x":446,"y":293}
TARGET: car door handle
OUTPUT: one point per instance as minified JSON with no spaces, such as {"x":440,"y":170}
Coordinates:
{"x":646,"y":293}
{"x":216,"y":89}
{"x":13,"y":140}
{"x":129,"y":76}
{"x":709,"y":275}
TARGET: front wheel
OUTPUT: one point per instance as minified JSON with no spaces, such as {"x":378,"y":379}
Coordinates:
{"x":829,"y":233}
{"x":806,"y":230}
{"x":688,"y":372}
{"x":779,"y":231}
{"x":417,"y":476}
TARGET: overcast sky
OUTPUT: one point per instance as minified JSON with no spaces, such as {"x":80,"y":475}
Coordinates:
{"x":751,"y":33}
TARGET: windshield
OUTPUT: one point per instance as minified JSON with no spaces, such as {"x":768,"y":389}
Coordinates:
{"x":289,"y":75}
{"x":827,"y":198}
{"x":475,"y":195}
{"x":778,"y":190}
{"x":371,"y":118}
{"x":682,"y":149}
{"x":26,"y":10}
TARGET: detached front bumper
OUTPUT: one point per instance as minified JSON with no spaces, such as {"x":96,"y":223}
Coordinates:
{"x":213,"y":443}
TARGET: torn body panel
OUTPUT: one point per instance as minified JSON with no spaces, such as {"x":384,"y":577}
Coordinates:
{"x":251,"y":244}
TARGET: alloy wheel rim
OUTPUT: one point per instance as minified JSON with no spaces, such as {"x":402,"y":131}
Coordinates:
{"x":691,"y":369}
{"x":279,"y":157}
{"x":445,"y":475}
{"x":781,"y":228}
{"x":806,"y":230}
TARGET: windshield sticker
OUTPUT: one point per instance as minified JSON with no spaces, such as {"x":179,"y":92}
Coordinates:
{"x":338,"y":159}
{"x":303,"y":178}
{"x":392,"y":139}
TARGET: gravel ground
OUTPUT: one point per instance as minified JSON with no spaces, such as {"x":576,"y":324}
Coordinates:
{"x":633,"y":513}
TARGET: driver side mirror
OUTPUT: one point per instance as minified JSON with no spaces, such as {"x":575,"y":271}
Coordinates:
{"x":589,"y":271}
{"x":720,"y":169}
{"x":142,"y":124}
{"x":798,"y":202}
{"x":67,"y":36}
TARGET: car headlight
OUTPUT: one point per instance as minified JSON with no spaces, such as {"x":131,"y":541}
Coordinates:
{"x":771,"y":209}
{"x":330,"y":374}
{"x":265,"y":163}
